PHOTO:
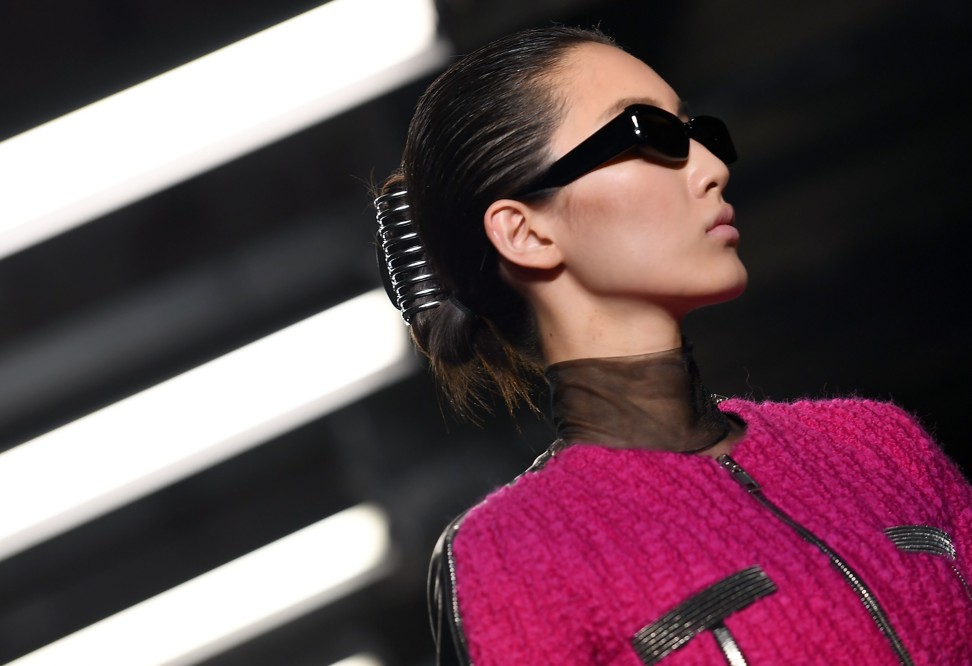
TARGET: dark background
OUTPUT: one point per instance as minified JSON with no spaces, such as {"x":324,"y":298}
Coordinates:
{"x":852,"y":195}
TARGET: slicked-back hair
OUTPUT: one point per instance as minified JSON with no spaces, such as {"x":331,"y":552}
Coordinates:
{"x":481,"y":132}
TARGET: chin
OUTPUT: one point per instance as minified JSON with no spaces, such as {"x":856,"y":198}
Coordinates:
{"x":738,"y":287}
{"x":727,"y":290}
{"x":734,"y":284}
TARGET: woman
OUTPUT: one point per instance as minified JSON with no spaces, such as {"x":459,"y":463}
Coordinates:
{"x":558,"y":213}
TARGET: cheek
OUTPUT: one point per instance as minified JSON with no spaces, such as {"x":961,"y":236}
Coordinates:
{"x":637,"y":192}
{"x":642,"y":211}
{"x":624,"y":237}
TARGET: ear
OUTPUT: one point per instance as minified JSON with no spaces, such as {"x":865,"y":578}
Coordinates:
{"x":516,"y":230}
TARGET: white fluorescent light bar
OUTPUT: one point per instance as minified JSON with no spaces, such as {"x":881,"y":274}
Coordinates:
{"x":237,"y":601}
{"x":206,"y":112}
{"x":192,"y":421}
{"x":360,"y":660}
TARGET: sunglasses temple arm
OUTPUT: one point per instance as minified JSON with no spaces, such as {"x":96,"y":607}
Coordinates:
{"x":601,"y":147}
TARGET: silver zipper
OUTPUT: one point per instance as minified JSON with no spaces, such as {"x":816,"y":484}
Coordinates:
{"x":727,"y":643}
{"x":862,"y":591}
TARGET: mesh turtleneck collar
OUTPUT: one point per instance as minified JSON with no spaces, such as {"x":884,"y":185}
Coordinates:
{"x":651,"y":401}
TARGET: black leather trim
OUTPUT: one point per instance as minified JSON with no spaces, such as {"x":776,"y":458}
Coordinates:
{"x":450,"y":642}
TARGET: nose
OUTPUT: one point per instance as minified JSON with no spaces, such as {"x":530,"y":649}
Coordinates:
{"x":706,"y":172}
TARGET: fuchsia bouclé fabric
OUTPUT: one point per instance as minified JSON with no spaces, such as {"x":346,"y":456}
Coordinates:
{"x":566,"y":564}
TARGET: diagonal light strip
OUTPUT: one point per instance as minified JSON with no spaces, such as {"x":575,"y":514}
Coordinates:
{"x":359,"y":660}
{"x":237,"y":601}
{"x":192,"y":118}
{"x":151,"y":439}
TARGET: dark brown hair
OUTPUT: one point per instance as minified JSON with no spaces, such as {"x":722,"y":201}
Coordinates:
{"x":480,"y":133}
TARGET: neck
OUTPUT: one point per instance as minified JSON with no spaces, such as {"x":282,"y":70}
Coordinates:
{"x":600,"y":328}
{"x":652,"y":401}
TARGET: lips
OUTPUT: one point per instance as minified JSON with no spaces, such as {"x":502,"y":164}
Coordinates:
{"x":722,"y":226}
{"x":726,"y":216}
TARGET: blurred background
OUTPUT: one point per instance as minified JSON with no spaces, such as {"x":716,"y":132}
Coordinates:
{"x":852,"y":194}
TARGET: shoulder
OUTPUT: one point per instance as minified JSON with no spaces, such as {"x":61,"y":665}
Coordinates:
{"x":880,"y":433}
{"x":855,"y":417}
{"x":470,"y":574}
{"x":508,"y":511}
{"x":507,"y":500}
{"x":520,"y":517}
{"x":839,"y":408}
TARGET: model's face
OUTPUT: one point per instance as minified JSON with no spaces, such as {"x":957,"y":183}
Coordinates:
{"x":634,"y":229}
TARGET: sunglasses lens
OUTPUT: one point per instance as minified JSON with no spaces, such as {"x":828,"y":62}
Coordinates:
{"x":661,"y":136}
{"x":714,"y":135}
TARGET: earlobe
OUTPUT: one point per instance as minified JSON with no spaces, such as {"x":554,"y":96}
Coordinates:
{"x":516,"y":230}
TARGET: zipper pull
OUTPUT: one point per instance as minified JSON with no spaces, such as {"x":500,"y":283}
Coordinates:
{"x":738,"y":473}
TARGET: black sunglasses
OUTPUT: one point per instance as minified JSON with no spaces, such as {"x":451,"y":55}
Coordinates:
{"x":656,"y":133}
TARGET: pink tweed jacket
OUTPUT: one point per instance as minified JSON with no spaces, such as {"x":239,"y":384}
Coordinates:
{"x":836,"y":533}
